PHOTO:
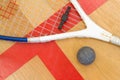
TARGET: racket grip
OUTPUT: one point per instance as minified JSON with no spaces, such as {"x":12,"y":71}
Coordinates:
{"x":115,"y":40}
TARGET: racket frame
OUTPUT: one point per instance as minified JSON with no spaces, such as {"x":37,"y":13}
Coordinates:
{"x":92,"y":31}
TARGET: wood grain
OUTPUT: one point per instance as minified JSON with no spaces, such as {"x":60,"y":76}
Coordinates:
{"x":33,"y":70}
{"x":106,"y":65}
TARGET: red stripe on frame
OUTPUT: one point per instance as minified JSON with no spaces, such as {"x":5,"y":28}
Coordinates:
{"x":54,"y":59}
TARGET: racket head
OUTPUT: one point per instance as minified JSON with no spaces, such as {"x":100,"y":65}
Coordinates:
{"x":21,"y":18}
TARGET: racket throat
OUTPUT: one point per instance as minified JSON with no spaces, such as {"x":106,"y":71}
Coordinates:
{"x":61,"y":36}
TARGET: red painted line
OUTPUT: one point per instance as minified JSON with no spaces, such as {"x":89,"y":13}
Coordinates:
{"x":57,"y":63}
{"x":91,"y":5}
{"x":52,"y":56}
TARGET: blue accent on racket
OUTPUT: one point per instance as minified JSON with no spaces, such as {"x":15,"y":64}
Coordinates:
{"x":16,"y":39}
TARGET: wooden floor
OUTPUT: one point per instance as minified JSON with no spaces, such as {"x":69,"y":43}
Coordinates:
{"x":107,"y":62}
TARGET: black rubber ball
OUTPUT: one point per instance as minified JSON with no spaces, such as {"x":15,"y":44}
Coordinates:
{"x":86,"y":55}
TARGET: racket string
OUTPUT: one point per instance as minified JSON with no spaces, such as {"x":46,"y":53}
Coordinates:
{"x":17,"y":25}
{"x":21,"y":23}
{"x":56,"y":21}
{"x":8,"y":10}
{"x":68,"y":21}
{"x":44,"y":28}
{"x":54,"y":25}
{"x":11,"y":5}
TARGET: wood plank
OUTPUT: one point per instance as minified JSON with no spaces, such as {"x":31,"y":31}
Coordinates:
{"x":106,"y":65}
